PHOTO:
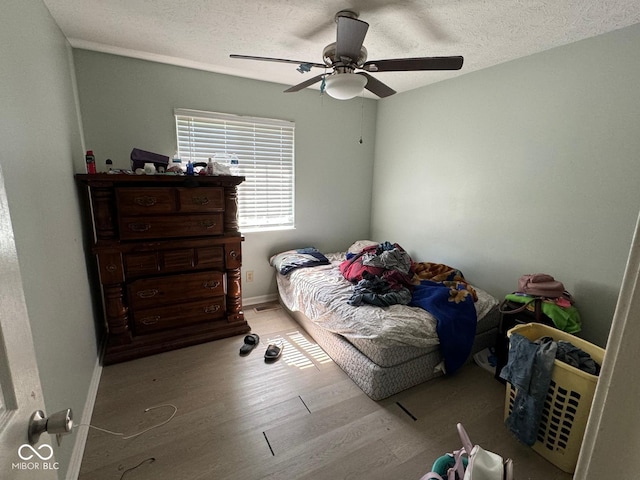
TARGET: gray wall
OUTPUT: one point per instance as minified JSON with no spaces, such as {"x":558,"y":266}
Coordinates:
{"x":40,"y":139}
{"x":129,"y":103}
{"x":530,"y":166}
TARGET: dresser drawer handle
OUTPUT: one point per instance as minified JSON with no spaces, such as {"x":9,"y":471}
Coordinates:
{"x":152,"y":292}
{"x":207,"y":223}
{"x":212,"y":284}
{"x":139,"y":227}
{"x":233,"y":254}
{"x":211,"y":309}
{"x":200,"y":200}
{"x":150,"y":320}
{"x":146,"y":201}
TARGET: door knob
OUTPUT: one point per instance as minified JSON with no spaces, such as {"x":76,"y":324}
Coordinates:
{"x":60,"y":423}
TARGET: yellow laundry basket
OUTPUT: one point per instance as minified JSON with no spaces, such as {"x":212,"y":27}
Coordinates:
{"x":568,"y":402}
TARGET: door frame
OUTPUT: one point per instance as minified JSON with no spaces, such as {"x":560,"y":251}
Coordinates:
{"x":611,"y":439}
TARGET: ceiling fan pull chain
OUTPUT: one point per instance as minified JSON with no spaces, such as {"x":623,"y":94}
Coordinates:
{"x":361,"y":119}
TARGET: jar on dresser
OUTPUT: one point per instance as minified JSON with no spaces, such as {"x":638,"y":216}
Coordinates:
{"x":169,"y":258}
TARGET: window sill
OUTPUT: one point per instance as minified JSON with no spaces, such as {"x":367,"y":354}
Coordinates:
{"x":265,"y":229}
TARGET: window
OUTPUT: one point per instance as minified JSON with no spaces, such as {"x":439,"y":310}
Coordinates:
{"x":264,"y":148}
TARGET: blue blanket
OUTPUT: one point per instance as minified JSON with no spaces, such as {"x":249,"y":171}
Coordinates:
{"x":454,"y":309}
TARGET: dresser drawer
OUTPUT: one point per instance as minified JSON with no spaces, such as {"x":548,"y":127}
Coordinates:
{"x":138,"y":264}
{"x":146,"y":227}
{"x":151,"y":292}
{"x":178,"y":259}
{"x":210,"y":257}
{"x":141,"y":264}
{"x":142,"y":201}
{"x":178,"y":315}
{"x":205,"y":199}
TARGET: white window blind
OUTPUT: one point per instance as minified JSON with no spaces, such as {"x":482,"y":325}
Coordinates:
{"x":264,"y":148}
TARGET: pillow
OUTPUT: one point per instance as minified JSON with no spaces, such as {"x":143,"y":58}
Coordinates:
{"x":360,"y":245}
{"x":302,"y":257}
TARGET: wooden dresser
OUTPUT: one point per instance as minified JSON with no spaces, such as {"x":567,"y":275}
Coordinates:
{"x":169,"y":255}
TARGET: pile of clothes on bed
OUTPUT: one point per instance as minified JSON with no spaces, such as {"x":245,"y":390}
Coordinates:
{"x":384,"y":274}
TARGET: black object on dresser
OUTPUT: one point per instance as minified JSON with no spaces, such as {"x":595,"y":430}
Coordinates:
{"x":169,"y":256}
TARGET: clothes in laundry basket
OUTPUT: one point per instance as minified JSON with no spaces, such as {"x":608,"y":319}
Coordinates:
{"x":576,"y":357}
{"x":529,"y":369}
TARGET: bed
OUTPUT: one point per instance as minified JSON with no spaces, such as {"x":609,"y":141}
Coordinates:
{"x":384,"y":350}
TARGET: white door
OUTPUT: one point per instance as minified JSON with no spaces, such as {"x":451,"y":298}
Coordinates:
{"x":20,"y":390}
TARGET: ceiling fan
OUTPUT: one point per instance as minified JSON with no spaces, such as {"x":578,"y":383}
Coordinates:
{"x":348,"y":54}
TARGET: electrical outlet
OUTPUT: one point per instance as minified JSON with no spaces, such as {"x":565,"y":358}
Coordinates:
{"x":250,"y":276}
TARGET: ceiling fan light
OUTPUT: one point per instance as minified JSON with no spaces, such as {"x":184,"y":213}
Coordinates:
{"x":344,"y":86}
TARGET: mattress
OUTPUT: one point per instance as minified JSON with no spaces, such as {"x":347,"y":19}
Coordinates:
{"x":375,"y":381}
{"x":382,"y":382}
{"x":388,"y":336}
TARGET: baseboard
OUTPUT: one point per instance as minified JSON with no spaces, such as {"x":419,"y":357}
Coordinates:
{"x":259,"y":299}
{"x":73,"y":471}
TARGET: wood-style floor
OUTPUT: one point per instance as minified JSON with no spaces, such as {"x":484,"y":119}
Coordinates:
{"x":301,"y":417}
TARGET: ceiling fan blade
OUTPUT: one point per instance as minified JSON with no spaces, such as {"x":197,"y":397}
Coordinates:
{"x":376,"y":87}
{"x":281,"y":60}
{"x":305,"y":84}
{"x":412,"y":64}
{"x":350,"y":37}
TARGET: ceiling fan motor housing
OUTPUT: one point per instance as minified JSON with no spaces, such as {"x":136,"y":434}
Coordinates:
{"x":331,"y":60}
{"x":346,"y":13}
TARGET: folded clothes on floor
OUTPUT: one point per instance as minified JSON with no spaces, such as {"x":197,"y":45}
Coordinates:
{"x":566,"y":319}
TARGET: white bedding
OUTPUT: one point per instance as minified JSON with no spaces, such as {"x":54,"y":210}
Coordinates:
{"x":321,"y":293}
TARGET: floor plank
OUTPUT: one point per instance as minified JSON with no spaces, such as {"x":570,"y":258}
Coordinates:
{"x":301,"y":417}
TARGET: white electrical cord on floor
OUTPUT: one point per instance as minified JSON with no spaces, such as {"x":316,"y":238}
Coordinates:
{"x":122,"y":435}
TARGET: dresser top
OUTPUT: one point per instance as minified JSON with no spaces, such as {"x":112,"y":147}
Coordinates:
{"x":106,"y":179}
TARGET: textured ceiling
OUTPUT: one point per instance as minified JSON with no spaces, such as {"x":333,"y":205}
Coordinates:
{"x":202,"y":33}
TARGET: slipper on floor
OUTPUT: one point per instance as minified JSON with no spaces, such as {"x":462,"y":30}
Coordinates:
{"x":273,"y":351}
{"x":250,"y":342}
